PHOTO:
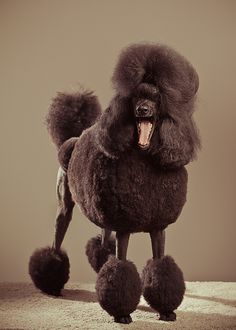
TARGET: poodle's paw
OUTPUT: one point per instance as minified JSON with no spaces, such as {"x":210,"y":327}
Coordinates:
{"x":49,"y":270}
{"x":98,"y":254}
{"x":167,"y":317}
{"x":163,"y":286}
{"x":123,"y":319}
{"x":118,"y":288}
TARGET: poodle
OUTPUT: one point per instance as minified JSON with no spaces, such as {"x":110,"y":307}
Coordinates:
{"x":125,"y":168}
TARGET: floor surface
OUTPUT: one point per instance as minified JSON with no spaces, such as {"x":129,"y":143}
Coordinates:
{"x":207,"y":305}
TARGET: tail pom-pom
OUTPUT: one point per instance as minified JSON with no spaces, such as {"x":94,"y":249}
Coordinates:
{"x":70,"y":114}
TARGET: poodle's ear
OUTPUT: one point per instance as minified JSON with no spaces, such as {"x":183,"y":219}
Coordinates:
{"x":178,"y":141}
{"x":116,"y":126}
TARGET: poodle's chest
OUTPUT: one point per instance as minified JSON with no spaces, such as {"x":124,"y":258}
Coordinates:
{"x":139,"y":184}
{"x":132,"y":194}
{"x":129,"y":193}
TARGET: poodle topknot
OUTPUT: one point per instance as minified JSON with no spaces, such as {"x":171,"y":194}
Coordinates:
{"x":125,"y":168}
{"x":158,"y":65}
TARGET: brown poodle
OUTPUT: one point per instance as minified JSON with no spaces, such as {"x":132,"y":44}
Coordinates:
{"x":125,"y":169}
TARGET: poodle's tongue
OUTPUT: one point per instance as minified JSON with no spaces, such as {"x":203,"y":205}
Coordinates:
{"x":145,"y":128}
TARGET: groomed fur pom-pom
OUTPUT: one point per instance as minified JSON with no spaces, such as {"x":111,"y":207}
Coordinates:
{"x":98,"y":254}
{"x":163,"y":286}
{"x":118,"y":288}
{"x":49,"y":270}
{"x":70,"y":114}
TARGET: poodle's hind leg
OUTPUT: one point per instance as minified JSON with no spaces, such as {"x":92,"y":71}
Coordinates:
{"x":162,"y":280}
{"x":118,"y":284}
{"x":49,"y":266}
{"x":99,"y":248}
{"x":64,"y":210}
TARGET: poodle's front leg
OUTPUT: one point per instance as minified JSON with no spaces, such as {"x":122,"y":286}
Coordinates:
{"x":162,"y":280}
{"x":158,"y":243}
{"x":118,"y":284}
{"x":122,"y":245}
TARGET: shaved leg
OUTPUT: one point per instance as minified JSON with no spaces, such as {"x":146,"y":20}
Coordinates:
{"x":158,"y":243}
{"x":118,"y":284}
{"x":106,"y":234}
{"x":64,"y":209}
{"x":163,"y":282}
{"x":49,"y":267}
{"x":122,"y":245}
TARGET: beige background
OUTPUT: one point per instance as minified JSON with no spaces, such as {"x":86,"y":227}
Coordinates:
{"x":49,"y":46}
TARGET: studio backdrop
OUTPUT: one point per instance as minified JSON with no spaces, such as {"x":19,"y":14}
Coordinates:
{"x":51,"y":46}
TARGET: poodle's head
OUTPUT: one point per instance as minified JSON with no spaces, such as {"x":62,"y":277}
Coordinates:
{"x":153,"y":106}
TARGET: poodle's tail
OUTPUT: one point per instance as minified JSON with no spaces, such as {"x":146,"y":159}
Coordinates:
{"x":70,"y":114}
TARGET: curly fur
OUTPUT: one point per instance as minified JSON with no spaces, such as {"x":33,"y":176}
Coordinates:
{"x":70,"y":114}
{"x":49,"y":270}
{"x":175,"y":144}
{"x":163,"y":284}
{"x":120,"y":187}
{"x":177,"y":83}
{"x":118,"y":287}
{"x":158,"y":65}
{"x":179,"y":141}
{"x":105,"y":162}
{"x":98,"y":254}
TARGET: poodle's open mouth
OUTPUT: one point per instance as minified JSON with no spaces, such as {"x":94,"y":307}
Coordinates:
{"x":145,"y":130}
{"x":145,"y":111}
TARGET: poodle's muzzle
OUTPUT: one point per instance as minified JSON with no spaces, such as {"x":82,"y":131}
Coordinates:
{"x":145,"y":113}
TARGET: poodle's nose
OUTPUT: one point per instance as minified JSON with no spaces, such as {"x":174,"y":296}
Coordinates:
{"x":143,"y":111}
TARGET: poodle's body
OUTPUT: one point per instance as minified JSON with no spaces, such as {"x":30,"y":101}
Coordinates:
{"x":128,"y":193}
{"x":125,"y":168}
